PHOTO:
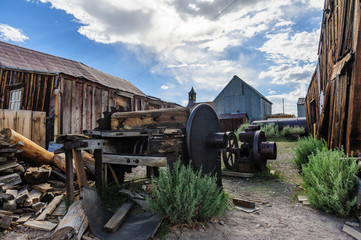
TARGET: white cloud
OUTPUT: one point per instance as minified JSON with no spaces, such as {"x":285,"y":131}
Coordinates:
{"x":193,"y":49}
{"x":8,"y":33}
{"x":271,"y":92}
{"x":164,"y":87}
{"x":282,"y":47}
{"x":290,"y":100}
{"x":288,"y":73}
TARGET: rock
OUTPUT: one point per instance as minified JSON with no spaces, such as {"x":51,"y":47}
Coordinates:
{"x":221,"y":222}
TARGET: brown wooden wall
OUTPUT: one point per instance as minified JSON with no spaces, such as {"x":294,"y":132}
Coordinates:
{"x":71,"y":104}
{"x":84,"y":102}
{"x":36,"y":89}
{"x":333,"y":102}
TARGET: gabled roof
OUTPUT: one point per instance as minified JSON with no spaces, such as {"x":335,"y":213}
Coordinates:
{"x":301,"y":101}
{"x":16,"y":57}
{"x":236,"y":78}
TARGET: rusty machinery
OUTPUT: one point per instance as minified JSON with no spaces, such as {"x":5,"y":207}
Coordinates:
{"x":251,"y":154}
{"x":157,"y":138}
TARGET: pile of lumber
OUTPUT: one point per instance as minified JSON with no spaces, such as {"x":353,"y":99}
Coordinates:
{"x":31,"y":194}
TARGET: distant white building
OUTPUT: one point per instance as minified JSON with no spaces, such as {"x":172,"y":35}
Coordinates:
{"x":301,"y":107}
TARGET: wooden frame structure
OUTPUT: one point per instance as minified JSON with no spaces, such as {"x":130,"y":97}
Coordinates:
{"x":333,"y":102}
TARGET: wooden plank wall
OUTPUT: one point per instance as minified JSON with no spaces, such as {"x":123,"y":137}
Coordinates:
{"x":84,"y":102}
{"x":333,"y":101}
{"x":35,"y":87}
{"x":31,"y":124}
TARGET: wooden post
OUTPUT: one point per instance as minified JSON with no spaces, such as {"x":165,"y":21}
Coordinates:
{"x":98,"y":169}
{"x":79,"y":166}
{"x":69,"y":176}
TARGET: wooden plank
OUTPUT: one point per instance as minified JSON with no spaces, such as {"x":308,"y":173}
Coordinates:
{"x":50,"y":208}
{"x":243,"y":203}
{"x":237,"y":174}
{"x":60,"y":210}
{"x":85,"y":97}
{"x":23,"y":123}
{"x":135,"y":160}
{"x":97,"y":105}
{"x":67,"y":107}
{"x":79,"y":166}
{"x":118,"y":218}
{"x":43,"y":187}
{"x":8,"y":165}
{"x":10,"y":180}
{"x":76,"y":112}
{"x":40,"y":225}
{"x":173,"y":118}
{"x":38,"y":128}
{"x":88,"y":116}
{"x":351,"y":231}
{"x":9,"y":119}
{"x":105,"y":101}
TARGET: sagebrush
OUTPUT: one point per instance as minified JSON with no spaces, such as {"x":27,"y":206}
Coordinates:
{"x":330,"y":181}
{"x":185,"y":196}
{"x":307,"y":146}
{"x":273,"y":132}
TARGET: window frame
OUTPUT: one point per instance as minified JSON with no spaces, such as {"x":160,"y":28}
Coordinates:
{"x":15,"y":99}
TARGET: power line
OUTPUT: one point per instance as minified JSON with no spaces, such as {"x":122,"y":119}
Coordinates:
{"x":220,"y":13}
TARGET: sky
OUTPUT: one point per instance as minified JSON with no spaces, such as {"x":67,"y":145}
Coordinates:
{"x":166,"y":47}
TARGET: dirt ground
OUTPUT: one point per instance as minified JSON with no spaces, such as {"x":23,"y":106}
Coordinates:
{"x":279,"y":215}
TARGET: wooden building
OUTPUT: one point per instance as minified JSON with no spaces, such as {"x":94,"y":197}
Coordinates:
{"x":231,"y":122}
{"x":301,"y":107}
{"x":333,"y":102}
{"x":238,"y":96}
{"x":72,"y":94}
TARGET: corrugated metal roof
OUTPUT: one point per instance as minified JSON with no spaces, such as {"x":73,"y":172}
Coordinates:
{"x":13,"y":56}
{"x":236,"y":78}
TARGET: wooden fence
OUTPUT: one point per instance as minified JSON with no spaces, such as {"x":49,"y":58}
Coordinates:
{"x":31,"y":124}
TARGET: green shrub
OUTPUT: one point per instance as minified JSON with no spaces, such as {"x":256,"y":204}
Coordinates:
{"x":307,"y":146}
{"x":292,"y":132}
{"x":330,"y":182}
{"x":183,"y":195}
{"x":271,"y":131}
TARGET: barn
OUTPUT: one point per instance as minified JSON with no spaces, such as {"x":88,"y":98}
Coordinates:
{"x":72,"y":94}
{"x":240,"y":97}
{"x":333,"y":101}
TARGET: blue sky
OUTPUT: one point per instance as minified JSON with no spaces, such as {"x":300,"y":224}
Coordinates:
{"x":164,"y":47}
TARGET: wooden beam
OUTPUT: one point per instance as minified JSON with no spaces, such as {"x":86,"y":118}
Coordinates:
{"x":41,"y":225}
{"x":135,"y":160}
{"x":79,"y":166}
{"x":50,"y":208}
{"x":118,"y":218}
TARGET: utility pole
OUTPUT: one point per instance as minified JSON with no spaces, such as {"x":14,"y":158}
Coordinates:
{"x":283,"y":105}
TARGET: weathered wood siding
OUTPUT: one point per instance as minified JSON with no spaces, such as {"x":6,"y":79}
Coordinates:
{"x":333,"y":102}
{"x":30,"y":124}
{"x":83,"y":103}
{"x":35,"y":87}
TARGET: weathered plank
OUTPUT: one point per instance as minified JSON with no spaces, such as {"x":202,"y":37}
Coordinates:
{"x":118,"y":218}
{"x":135,"y":160}
{"x":40,"y":225}
{"x":50,"y":208}
{"x":173,"y":118}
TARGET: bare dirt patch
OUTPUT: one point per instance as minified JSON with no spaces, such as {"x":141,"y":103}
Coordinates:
{"x":280,"y":216}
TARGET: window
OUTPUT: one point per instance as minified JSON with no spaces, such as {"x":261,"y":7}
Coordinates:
{"x":15,"y":97}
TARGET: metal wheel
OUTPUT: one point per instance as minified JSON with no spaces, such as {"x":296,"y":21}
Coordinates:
{"x":259,"y":137}
{"x":229,"y":154}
